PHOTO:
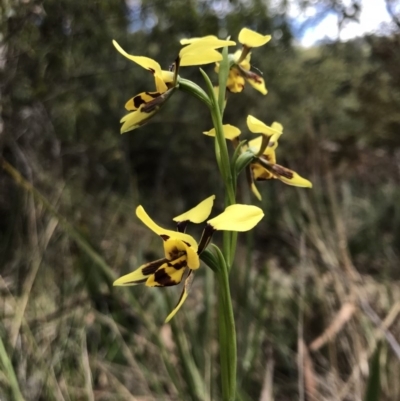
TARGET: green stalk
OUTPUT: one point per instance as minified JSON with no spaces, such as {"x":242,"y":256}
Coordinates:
{"x":227,"y":332}
{"x":10,"y":373}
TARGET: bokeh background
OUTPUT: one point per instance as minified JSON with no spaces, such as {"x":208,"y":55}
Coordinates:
{"x":315,"y":286}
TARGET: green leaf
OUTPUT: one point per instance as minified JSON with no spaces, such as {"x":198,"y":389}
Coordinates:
{"x":243,"y":161}
{"x":222,"y":78}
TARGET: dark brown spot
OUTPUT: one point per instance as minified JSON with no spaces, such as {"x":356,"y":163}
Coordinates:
{"x":164,"y":237}
{"x":152,"y":267}
{"x":180,"y":265}
{"x":163,"y":278}
{"x":282,"y":171}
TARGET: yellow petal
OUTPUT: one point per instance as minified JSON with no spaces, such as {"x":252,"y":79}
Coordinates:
{"x":204,"y":44}
{"x":202,"y":51}
{"x":237,"y":218}
{"x":245,"y":63}
{"x":258,"y":127}
{"x":255,"y":191}
{"x":174,"y":248}
{"x":167,"y":275}
{"x":135,"y":119}
{"x":193,"y":260}
{"x":141,"y":274}
{"x":260,"y":173}
{"x":257,"y":82}
{"x":255,"y":144}
{"x":182,"y":298}
{"x":235,"y":81}
{"x":144,"y":97}
{"x":253,"y":39}
{"x":146,"y":220}
{"x":230,"y":132}
{"x":290,"y":177}
{"x":199,"y":213}
{"x":186,"y":41}
{"x":206,"y":56}
{"x":145,"y":62}
{"x":167,"y":76}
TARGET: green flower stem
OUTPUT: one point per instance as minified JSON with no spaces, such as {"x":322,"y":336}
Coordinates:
{"x":227,"y":332}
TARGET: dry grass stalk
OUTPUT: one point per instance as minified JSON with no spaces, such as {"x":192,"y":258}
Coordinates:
{"x":342,"y":317}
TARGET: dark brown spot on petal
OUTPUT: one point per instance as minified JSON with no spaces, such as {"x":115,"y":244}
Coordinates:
{"x":163,"y":278}
{"x":175,"y":253}
{"x":164,"y":237}
{"x":282,"y":171}
{"x":179,"y":265}
{"x":152,"y":71}
{"x":152,"y":267}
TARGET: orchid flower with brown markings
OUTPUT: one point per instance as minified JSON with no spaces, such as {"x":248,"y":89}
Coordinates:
{"x":181,"y":250}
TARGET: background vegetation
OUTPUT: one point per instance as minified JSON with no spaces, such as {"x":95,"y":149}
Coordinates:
{"x":316,"y":287}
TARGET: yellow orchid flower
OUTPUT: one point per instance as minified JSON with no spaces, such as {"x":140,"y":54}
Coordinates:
{"x":144,"y":105}
{"x":240,"y":71}
{"x":181,"y":251}
{"x":266,"y":167}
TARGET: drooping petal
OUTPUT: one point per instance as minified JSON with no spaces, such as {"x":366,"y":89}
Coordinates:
{"x":237,"y":218}
{"x":290,"y":177}
{"x":146,"y":220}
{"x":258,"y":127}
{"x":199,"y":213}
{"x":256,"y":81}
{"x":140,"y":116}
{"x":253,"y":39}
{"x":182,"y":298}
{"x":141,"y":274}
{"x":230,"y":132}
{"x":135,"y":119}
{"x":145,"y":62}
{"x":255,"y":191}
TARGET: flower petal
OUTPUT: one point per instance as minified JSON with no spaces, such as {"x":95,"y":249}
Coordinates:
{"x":144,"y":97}
{"x":206,"y":56}
{"x":235,"y":81}
{"x":145,"y":62}
{"x":237,"y":218}
{"x":141,"y":274}
{"x":187,"y":41}
{"x":256,"y":81}
{"x":182,"y":298}
{"x":230,"y":132}
{"x":253,"y":39}
{"x":290,"y":177}
{"x":199,"y":213}
{"x":168,"y":275}
{"x":174,"y":248}
{"x":260,"y":173}
{"x":140,"y":116}
{"x":258,"y":127}
{"x":255,"y":191}
{"x":202,"y":51}
{"x":146,"y":220}
{"x":135,"y":119}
